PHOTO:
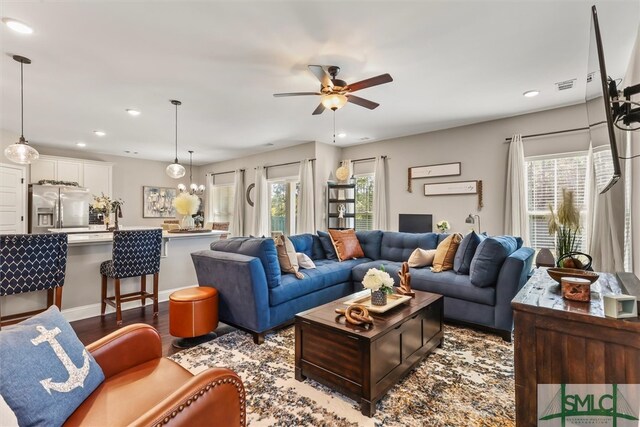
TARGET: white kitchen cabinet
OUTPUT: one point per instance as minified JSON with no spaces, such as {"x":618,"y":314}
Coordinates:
{"x":70,"y":171}
{"x":97,"y":178}
{"x":43,"y":168}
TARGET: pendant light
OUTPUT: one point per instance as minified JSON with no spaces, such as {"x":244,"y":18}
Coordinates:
{"x":21,"y":152}
{"x":193,"y":188}
{"x":175,"y":169}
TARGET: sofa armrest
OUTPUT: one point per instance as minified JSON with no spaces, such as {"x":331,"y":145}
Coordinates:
{"x":125,"y":348}
{"x":513,"y":276}
{"x":243,"y":295}
{"x":213,"y":397}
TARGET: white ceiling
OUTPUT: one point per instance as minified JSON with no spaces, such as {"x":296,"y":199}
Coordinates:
{"x":453,"y":63}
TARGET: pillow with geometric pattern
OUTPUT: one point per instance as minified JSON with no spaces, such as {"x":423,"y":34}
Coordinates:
{"x":45,"y":371}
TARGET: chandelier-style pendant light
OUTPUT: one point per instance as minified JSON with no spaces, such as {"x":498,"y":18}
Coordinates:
{"x":193,"y":187}
{"x":175,"y":169}
{"x":21,"y":152}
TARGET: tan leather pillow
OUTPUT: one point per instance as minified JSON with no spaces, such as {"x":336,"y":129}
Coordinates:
{"x":446,"y":252}
{"x":287,"y":256}
{"x":346,"y":244}
{"x":422,"y":257}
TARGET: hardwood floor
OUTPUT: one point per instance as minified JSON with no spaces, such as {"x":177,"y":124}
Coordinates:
{"x":94,"y":328}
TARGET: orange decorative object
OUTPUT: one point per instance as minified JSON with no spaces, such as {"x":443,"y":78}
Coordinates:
{"x":356,"y":314}
{"x":193,"y":311}
{"x":405,"y":281}
{"x":576,"y":289}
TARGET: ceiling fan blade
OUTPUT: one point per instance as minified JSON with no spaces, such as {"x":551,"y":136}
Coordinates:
{"x":318,"y":110}
{"x":373,"y":81}
{"x":278,"y":95}
{"x":322,"y":75}
{"x":362,"y":102}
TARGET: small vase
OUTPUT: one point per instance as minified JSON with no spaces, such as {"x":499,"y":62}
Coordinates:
{"x":378,"y":298}
{"x":105,"y":220}
{"x":186,"y":222}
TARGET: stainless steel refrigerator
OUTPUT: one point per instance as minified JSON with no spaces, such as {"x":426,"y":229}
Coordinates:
{"x":57,"y":206}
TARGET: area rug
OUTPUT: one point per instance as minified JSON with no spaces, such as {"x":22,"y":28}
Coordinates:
{"x":468,"y":382}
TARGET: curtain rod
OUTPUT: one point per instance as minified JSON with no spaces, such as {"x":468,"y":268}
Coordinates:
{"x":222,"y":173}
{"x":285,"y":164}
{"x":536,"y":135}
{"x":365,"y":159}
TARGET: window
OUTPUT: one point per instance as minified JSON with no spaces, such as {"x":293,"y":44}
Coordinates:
{"x":221,"y":203}
{"x":283,"y":201}
{"x":364,"y":202}
{"x":546,"y":178}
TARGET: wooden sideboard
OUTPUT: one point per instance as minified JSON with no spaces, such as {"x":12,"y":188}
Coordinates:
{"x":559,"y":341}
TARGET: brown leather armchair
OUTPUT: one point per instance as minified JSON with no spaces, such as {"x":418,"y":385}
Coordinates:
{"x":142,"y":388}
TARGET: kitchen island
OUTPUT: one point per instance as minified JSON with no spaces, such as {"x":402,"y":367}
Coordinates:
{"x":81,"y":292}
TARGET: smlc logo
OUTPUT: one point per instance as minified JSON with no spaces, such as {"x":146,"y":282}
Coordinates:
{"x":563,"y":405}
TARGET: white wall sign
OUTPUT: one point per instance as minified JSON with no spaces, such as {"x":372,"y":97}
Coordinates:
{"x":445,"y":188}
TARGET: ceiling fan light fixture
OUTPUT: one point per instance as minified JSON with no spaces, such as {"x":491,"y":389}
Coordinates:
{"x":334,"y":101}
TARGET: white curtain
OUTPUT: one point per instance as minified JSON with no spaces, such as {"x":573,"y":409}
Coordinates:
{"x":516,"y":220}
{"x":305,"y":222}
{"x":380,"y":206}
{"x":602,"y":219}
{"x":261,"y":204}
{"x":237,"y":222}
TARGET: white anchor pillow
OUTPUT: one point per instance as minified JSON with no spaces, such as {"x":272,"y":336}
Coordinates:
{"x":45,"y":371}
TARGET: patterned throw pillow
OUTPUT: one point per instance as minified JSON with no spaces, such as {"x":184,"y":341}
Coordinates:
{"x":287,"y":256}
{"x":346,"y":244}
{"x":45,"y":371}
{"x":446,"y":252}
{"x":422,"y":258}
{"x":304,"y":261}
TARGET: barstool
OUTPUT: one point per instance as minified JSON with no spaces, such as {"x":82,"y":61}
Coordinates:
{"x":193,"y":314}
{"x":32,"y":262}
{"x":135,"y":253}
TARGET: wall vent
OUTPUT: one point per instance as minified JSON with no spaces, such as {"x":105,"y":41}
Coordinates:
{"x":565,"y":84}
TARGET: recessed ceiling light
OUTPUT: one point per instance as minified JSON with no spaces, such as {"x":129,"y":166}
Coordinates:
{"x":133,"y":112}
{"x":81,"y":144}
{"x":342,"y":135}
{"x":99,"y":133}
{"x":531,"y":93}
{"x":17,"y":26}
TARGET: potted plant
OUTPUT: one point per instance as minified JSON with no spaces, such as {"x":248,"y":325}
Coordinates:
{"x":565,"y":224}
{"x":380,"y":284}
{"x":443,"y":226}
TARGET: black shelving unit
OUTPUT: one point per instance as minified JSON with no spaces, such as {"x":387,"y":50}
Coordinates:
{"x":341,"y":194}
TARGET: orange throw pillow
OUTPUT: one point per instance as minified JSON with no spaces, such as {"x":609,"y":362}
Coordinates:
{"x":446,"y":252}
{"x":346,"y":244}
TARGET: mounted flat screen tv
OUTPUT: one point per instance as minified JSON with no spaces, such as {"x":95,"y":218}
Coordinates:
{"x":599,"y":90}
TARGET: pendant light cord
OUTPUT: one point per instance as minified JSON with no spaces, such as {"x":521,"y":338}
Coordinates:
{"x":21,"y":101}
{"x":176,"y":160}
{"x":334,"y":126}
{"x":190,"y":167}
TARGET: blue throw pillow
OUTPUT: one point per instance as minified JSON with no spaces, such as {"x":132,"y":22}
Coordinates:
{"x":465,"y":253}
{"x":45,"y":371}
{"x":327,"y":245}
{"x":489,"y":258}
{"x":370,"y":242}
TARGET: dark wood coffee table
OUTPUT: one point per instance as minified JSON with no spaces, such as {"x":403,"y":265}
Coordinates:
{"x":364,"y":363}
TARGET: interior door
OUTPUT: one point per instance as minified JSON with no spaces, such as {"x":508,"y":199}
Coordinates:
{"x":12,"y":199}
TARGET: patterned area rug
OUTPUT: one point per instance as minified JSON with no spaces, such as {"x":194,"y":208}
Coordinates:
{"x":469,"y":382}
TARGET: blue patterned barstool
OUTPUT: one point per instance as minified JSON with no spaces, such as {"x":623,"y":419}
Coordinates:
{"x":135,"y":253}
{"x":32,"y":262}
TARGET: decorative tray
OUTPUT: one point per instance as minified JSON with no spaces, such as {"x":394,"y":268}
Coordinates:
{"x":558,"y":273}
{"x":393,"y":300}
{"x":194,"y":230}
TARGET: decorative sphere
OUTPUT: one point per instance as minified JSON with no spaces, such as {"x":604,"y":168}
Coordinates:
{"x":342,"y":173}
{"x":176,"y":170}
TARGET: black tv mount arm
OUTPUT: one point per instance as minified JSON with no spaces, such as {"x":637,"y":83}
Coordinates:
{"x":624,"y":109}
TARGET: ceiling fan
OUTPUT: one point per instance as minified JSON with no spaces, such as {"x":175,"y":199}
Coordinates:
{"x":336,"y":93}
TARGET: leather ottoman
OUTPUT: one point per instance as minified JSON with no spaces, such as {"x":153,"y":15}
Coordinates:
{"x":193,"y":315}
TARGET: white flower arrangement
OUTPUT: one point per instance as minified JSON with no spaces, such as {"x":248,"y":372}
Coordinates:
{"x":443,"y":226}
{"x":186,"y":204}
{"x":378,"y":280}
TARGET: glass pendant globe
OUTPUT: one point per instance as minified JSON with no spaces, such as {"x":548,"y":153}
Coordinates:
{"x":201,"y":188}
{"x":334,"y":101}
{"x":182,"y":188}
{"x":176,"y":170}
{"x":21,"y":153}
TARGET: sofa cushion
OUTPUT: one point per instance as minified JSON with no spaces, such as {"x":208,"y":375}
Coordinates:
{"x":451,"y":285}
{"x":397,"y":246}
{"x":303,"y":243}
{"x":489,"y":257}
{"x":466,"y":251}
{"x":45,"y":371}
{"x":422,"y":257}
{"x":326,"y":274}
{"x":346,"y":244}
{"x":287,"y":257}
{"x":259,"y":247}
{"x":445,"y":253}
{"x":391,"y":267}
{"x":370,"y":241}
{"x":327,"y":245}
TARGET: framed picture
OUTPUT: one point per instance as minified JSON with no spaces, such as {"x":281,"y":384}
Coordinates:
{"x":157,"y":202}
{"x":433,"y":171}
{"x":446,"y":188}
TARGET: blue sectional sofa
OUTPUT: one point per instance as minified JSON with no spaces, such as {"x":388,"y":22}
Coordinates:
{"x":255,"y":296}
